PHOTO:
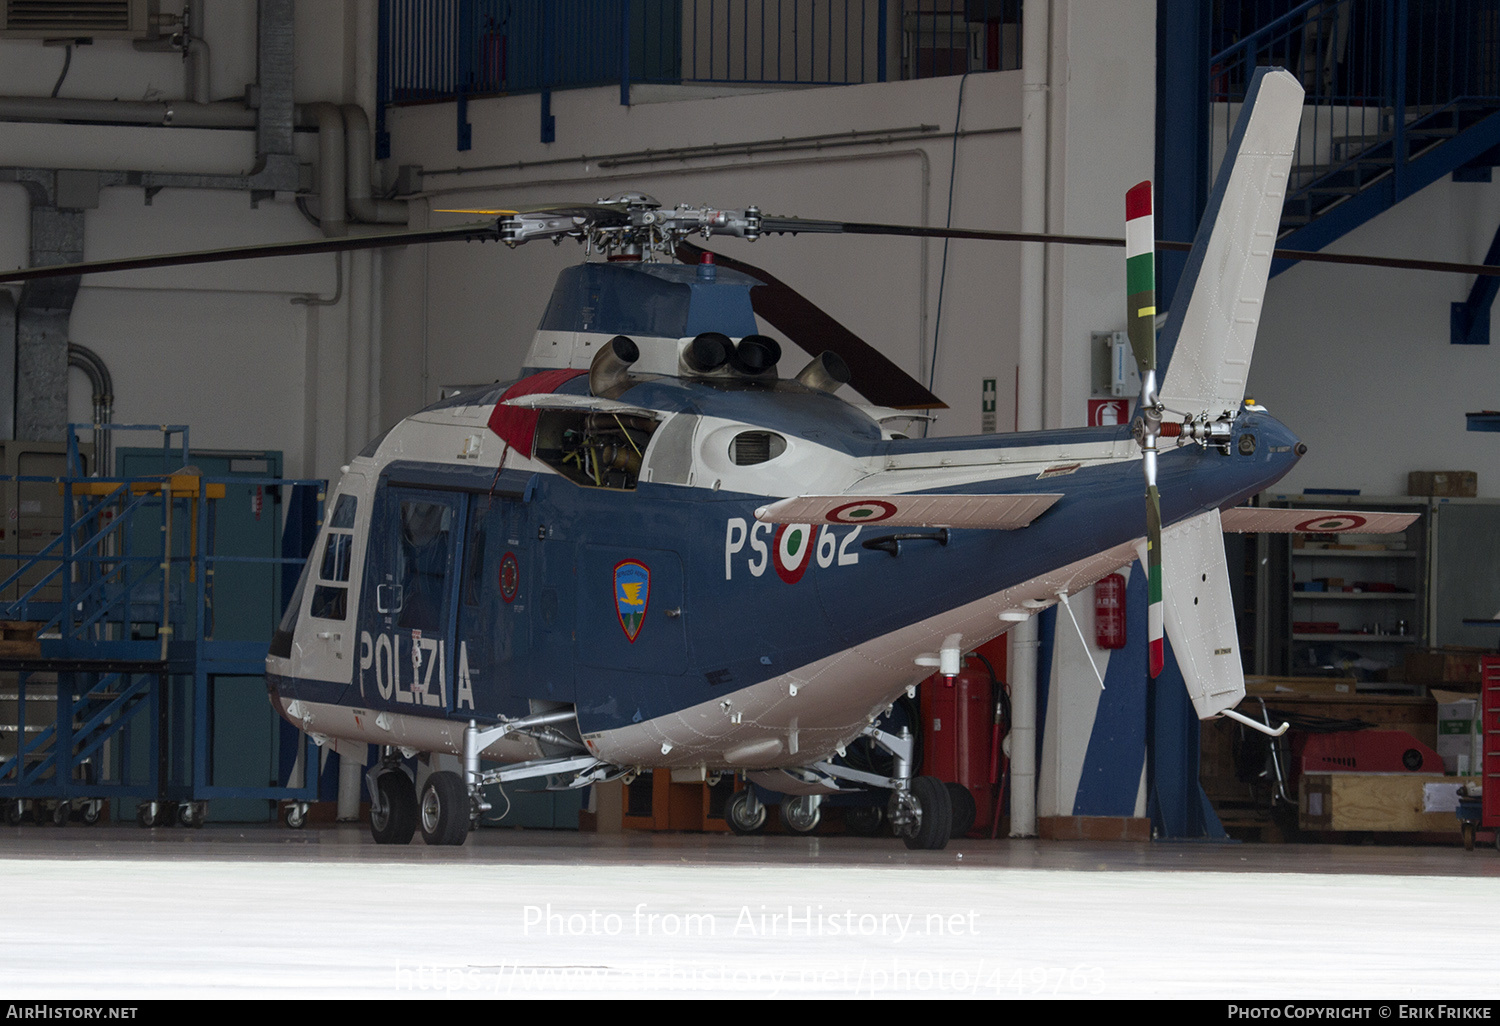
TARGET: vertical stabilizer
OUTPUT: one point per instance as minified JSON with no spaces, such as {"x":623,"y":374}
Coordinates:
{"x":1210,"y":333}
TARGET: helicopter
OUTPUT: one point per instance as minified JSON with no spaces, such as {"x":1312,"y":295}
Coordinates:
{"x":653,"y":550}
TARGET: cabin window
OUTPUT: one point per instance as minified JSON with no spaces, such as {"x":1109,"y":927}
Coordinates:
{"x":599,"y":450}
{"x":330,"y":599}
{"x":751,"y":447}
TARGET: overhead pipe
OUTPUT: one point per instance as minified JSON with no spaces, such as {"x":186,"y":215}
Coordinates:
{"x":359,"y":161}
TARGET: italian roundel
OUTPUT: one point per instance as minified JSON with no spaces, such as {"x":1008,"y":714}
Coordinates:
{"x":793,"y":546}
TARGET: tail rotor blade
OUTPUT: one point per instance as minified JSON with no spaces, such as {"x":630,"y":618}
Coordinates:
{"x":1140,"y":321}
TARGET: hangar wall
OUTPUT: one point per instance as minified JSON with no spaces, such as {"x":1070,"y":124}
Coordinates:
{"x":221,"y":347}
{"x":1357,"y":360}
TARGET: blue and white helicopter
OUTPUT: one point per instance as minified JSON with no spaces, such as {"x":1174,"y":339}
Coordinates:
{"x":649,"y":550}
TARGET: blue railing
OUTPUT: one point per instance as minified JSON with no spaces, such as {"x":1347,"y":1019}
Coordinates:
{"x":1386,"y":81}
{"x":445,"y":50}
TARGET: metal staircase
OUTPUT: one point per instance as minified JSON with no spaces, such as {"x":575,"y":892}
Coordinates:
{"x":109,"y":657}
{"x":1400,"y":93}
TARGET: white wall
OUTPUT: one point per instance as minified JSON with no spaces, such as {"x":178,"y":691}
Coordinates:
{"x":1357,"y":362}
{"x":219,"y":347}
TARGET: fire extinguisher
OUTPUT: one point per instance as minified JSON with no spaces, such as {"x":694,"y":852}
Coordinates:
{"x":1109,"y":612}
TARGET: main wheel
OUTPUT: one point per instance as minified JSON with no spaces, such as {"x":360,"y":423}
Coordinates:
{"x":964,"y":808}
{"x":393,"y":809}
{"x":739,"y":817}
{"x":445,"y":809}
{"x":863,"y":820}
{"x":801,"y":814}
{"x":926,"y":814}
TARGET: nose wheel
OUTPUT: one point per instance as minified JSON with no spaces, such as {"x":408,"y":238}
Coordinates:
{"x":393,"y":808}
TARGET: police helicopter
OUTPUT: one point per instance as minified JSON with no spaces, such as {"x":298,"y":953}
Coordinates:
{"x":654,"y":549}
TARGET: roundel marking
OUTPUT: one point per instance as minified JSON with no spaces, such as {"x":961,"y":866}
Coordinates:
{"x":510,"y":577}
{"x":1331,"y":525}
{"x":861,"y":512}
{"x":793,"y":548}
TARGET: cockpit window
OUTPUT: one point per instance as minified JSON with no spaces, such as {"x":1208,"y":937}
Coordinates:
{"x":602,"y":450}
{"x":751,"y":447}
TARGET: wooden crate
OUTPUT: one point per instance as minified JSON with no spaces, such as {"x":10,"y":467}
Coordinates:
{"x":1375,"y":802}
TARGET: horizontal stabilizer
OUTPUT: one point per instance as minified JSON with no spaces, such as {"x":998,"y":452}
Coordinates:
{"x":1200,"y":613}
{"x":994,"y":512}
{"x":1249,"y":519}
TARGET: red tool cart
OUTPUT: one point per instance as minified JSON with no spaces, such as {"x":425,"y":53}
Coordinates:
{"x":1480,"y":819}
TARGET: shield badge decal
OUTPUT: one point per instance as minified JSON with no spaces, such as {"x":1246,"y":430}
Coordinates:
{"x":632,"y":593}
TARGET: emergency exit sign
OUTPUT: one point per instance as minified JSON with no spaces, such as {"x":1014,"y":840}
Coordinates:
{"x":987,"y":406}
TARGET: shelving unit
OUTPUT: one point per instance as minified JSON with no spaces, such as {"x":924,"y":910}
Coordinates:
{"x":1334,"y":609}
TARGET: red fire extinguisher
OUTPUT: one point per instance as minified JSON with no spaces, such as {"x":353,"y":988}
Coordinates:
{"x":1109,"y":612}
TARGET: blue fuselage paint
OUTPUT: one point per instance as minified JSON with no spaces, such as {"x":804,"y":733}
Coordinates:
{"x":716,"y":615}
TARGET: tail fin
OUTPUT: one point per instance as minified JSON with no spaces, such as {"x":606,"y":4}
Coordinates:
{"x":1210,"y":337}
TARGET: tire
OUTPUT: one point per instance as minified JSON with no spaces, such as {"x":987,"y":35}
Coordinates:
{"x":737,"y":814}
{"x":863,"y":820}
{"x":1467,"y":830}
{"x":802,"y":814}
{"x":294,"y":816}
{"x":444,"y":811}
{"x":934,"y":815}
{"x":393,"y":813}
{"x":964,"y":809}
{"x":15,"y":812}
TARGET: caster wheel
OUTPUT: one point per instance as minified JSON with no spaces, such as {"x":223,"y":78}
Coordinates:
{"x":445,"y":809}
{"x":964,"y":809}
{"x":740,"y":816}
{"x":393,"y":809}
{"x":145,"y":814}
{"x":91,"y":812}
{"x":294,"y":816}
{"x":186,"y":815}
{"x":863,"y":820}
{"x":1467,"y":832}
{"x":15,"y":812}
{"x":802,"y":814}
{"x":60,"y":813}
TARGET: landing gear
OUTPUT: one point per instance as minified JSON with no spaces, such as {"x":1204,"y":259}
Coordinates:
{"x":922,"y":814}
{"x":393,"y":808}
{"x":863,"y":820}
{"x":445,"y":809}
{"x":802,"y":814}
{"x":964,"y":808}
{"x":745,"y":813}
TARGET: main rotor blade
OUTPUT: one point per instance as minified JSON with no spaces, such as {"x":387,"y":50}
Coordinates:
{"x":797,"y":225}
{"x":872,"y":374}
{"x":470,"y":232}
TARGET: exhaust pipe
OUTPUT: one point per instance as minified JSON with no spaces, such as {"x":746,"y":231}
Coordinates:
{"x":827,"y":372}
{"x":609,"y":373}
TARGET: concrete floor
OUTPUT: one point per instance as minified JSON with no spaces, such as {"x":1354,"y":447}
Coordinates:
{"x":115,"y":912}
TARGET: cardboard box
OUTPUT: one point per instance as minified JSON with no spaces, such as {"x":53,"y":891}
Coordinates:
{"x":1457,"y":484}
{"x":1459,"y":741}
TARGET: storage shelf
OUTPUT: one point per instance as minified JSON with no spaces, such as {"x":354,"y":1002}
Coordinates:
{"x":1387,"y":639}
{"x":1357,"y":553}
{"x":1354,"y":595}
